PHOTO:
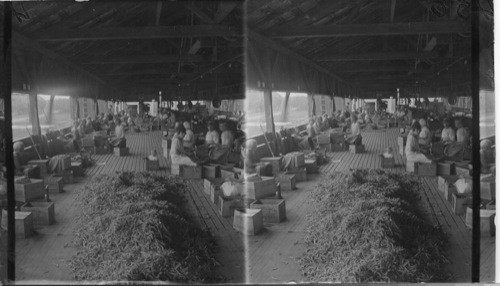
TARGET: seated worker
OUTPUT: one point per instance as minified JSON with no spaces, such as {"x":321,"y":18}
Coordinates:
{"x":355,"y":137}
{"x":412,"y":149}
{"x":177,"y":154}
{"x":153,"y":156}
{"x":119,"y":141}
{"x":189,"y":139}
{"x":311,"y":132}
{"x":248,"y":156}
{"x":220,"y":152}
{"x":212,"y":137}
{"x":448,"y":133}
{"x":302,"y":142}
{"x":455,"y":149}
{"x":226,"y":136}
{"x":425,"y":136}
{"x":76,"y":136}
{"x":317,"y":125}
{"x":347,"y":122}
{"x":21,"y":169}
{"x":487,"y":155}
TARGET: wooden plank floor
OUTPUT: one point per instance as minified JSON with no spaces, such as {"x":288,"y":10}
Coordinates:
{"x":273,"y":254}
{"x":45,"y":256}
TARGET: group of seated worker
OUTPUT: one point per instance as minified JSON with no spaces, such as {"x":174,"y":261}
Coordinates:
{"x":20,"y":162}
{"x":419,"y":141}
{"x":184,"y":150}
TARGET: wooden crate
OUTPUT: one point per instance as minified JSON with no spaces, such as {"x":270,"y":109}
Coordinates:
{"x":337,"y":147}
{"x":387,"y":162}
{"x":410,"y":166}
{"x":29,"y":192}
{"x":23,"y":221}
{"x":311,"y":166}
{"x":462,"y":170}
{"x":426,"y":169}
{"x":121,"y":151}
{"x":298,"y":160}
{"x":459,"y":203}
{"x":101,"y":150}
{"x":77,"y":168}
{"x":43,"y":212}
{"x":337,"y":138}
{"x":323,"y":139}
{"x":276,"y":162}
{"x":446,"y":182}
{"x":273,"y":210}
{"x":446,"y":168}
{"x":357,"y":149}
{"x":67,"y":176}
{"x":226,"y":206}
{"x":264,"y":169}
{"x":208,"y":186}
{"x":488,"y":189}
{"x":487,"y":219}
{"x":152,"y":165}
{"x":287,"y":181}
{"x":43,"y":165}
{"x":55,"y":183}
{"x":227,"y":174}
{"x":88,"y":141}
{"x":210,"y":171}
{"x":260,"y":189}
{"x":401,"y":145}
{"x":300,"y":174}
{"x":491,"y":205}
{"x":248,"y":221}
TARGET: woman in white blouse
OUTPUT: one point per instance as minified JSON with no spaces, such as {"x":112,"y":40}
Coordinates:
{"x":448,"y":133}
{"x":177,"y":154}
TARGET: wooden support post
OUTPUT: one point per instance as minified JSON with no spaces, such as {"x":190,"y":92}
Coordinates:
{"x":96,"y":105}
{"x":268,"y":108}
{"x":284,"y":114}
{"x":312,"y":104}
{"x":35,"y":121}
{"x":49,"y":110}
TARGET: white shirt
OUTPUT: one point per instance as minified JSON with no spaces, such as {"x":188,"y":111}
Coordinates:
{"x":425,"y":135}
{"x":119,"y":131}
{"x":177,"y":149}
{"x":212,"y":137}
{"x":448,"y":134}
{"x":355,"y":129}
{"x":189,"y":138}
{"x":227,"y":138}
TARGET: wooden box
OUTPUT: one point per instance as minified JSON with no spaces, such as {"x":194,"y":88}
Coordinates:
{"x":190,"y":172}
{"x":64,"y":163}
{"x":260,"y":189}
{"x":300,"y":174}
{"x":225,"y":206}
{"x":327,"y":147}
{"x":29,"y":192}
{"x":487,"y":219}
{"x":210,"y":171}
{"x":386,"y":162}
{"x":273,"y":210}
{"x":77,"y":168}
{"x":121,"y":151}
{"x":43,"y":165}
{"x":323,"y":139}
{"x":55,"y":183}
{"x":215,"y":193}
{"x":488,"y":189}
{"x":208,"y":185}
{"x":66,"y":175}
{"x":462,"y":170}
{"x":337,"y":147}
{"x":43,"y":212}
{"x":227,"y":174}
{"x":23,"y":221}
{"x":491,"y":205}
{"x":264,"y":169}
{"x":311,"y":166}
{"x":357,"y":149}
{"x":276,"y":162}
{"x":337,"y":138}
{"x":426,"y":169}
{"x":152,"y":165}
{"x":298,"y":160}
{"x":459,"y":203}
{"x":248,"y":221}
{"x":445,"y":168}
{"x":445,"y":183}
{"x":287,"y":181}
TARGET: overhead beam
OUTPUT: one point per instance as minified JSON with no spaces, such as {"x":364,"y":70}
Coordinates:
{"x":198,"y":12}
{"x":387,"y":56}
{"x":224,"y":9}
{"x":129,"y":33}
{"x":261,"y":40}
{"x":376,"y":69}
{"x":382,"y":29}
{"x":146,"y":59}
{"x":19,"y":39}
